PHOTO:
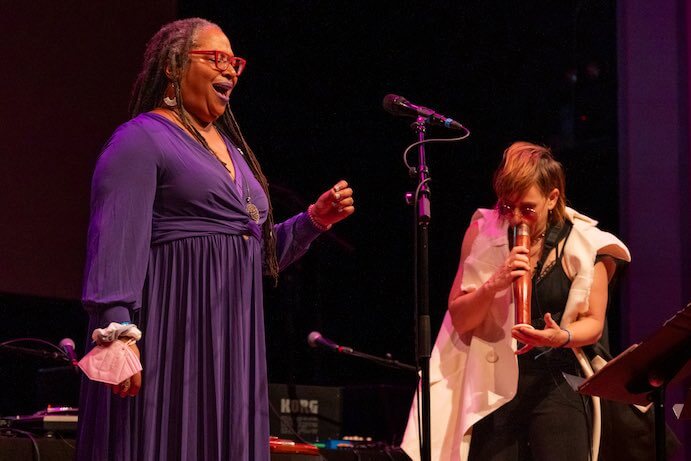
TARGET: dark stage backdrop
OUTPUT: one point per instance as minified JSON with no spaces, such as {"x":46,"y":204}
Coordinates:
{"x":310,"y":104}
{"x":67,"y":72}
{"x":66,"y":76}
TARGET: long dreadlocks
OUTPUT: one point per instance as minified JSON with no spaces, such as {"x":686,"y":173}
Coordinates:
{"x":169,"y":48}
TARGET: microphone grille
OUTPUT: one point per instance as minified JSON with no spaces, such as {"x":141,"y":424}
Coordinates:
{"x":313,"y":337}
{"x":67,"y":342}
{"x":390,"y":104}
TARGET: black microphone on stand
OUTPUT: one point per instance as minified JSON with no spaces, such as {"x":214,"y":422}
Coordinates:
{"x":400,"y":106}
{"x":315,"y":339}
{"x":67,"y":345}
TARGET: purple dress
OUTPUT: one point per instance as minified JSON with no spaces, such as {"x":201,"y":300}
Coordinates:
{"x":172,"y":249}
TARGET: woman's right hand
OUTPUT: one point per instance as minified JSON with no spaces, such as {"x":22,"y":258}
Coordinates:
{"x":517,"y":263}
{"x":129,"y":387}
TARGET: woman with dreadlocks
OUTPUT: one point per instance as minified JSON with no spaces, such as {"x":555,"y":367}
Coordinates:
{"x":180,"y":234}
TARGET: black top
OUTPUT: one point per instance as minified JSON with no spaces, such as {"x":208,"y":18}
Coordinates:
{"x":551,"y":288}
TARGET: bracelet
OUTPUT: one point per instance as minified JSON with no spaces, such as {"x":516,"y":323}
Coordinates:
{"x":568,"y":340}
{"x":319,"y":226}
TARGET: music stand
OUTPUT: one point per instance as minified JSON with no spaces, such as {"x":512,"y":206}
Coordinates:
{"x":641,"y":373}
{"x":683,"y":410}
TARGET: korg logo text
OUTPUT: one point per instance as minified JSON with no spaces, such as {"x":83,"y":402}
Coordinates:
{"x":300,"y":406}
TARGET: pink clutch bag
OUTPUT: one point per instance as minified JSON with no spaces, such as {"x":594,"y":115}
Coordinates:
{"x":110,"y":363}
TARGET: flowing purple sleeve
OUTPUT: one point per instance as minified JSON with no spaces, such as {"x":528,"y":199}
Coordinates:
{"x":293,"y":238}
{"x":122,"y":195}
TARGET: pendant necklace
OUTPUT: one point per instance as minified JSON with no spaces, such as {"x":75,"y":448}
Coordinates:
{"x":250,"y":207}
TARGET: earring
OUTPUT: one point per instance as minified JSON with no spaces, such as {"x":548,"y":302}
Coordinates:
{"x":171,"y":102}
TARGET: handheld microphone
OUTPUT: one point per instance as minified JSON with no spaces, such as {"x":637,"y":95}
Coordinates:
{"x":315,"y":339}
{"x":67,"y":345}
{"x":400,"y":106}
{"x":522,"y":287}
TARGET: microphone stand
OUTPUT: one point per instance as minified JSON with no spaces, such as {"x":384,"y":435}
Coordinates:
{"x":51,"y":355}
{"x":56,"y":355}
{"x":387,"y":361}
{"x":421,"y":255}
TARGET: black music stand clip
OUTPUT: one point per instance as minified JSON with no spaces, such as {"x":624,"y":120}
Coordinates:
{"x":642,"y":372}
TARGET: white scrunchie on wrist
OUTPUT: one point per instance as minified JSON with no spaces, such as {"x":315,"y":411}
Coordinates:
{"x":114,"y":331}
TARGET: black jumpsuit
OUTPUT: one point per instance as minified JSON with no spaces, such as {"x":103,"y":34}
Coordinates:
{"x":547,"y":420}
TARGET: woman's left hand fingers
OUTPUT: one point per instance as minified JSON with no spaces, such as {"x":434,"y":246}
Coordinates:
{"x":341,"y":195}
{"x":522,"y":335}
{"x":549,"y":321}
{"x":537,"y":338}
{"x":339,"y":186}
{"x":335,"y":204}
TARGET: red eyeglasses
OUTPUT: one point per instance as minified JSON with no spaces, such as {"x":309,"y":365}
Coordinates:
{"x":223,"y":60}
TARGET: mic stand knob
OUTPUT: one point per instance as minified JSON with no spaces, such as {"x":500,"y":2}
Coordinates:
{"x":409,"y":198}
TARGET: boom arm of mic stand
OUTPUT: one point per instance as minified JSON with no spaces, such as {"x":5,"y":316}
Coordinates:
{"x":386,"y":361}
{"x":35,"y":352}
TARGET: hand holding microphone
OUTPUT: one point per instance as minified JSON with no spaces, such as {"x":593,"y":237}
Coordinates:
{"x":516,"y":272}
{"x":516,"y":265}
{"x":522,"y":286}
